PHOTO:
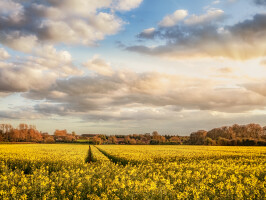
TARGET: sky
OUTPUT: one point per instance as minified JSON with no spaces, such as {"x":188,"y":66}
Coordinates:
{"x":132,"y":66}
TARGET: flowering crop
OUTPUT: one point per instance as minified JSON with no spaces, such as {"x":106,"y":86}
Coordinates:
{"x":59,"y":171}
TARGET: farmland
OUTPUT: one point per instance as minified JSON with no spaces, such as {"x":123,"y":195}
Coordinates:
{"x":59,"y":171}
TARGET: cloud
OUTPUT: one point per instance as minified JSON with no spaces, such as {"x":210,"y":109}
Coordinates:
{"x":263,"y":62}
{"x":58,"y":62}
{"x":38,"y":71}
{"x":3,"y":54}
{"x":216,"y":2}
{"x":50,"y":109}
{"x":242,"y":41}
{"x":148,"y":33}
{"x":210,"y":16}
{"x":121,"y":93}
{"x":22,"y":79}
{"x":173,"y":19}
{"x":18,"y":40}
{"x":225,"y":70}
{"x":259,"y":88}
{"x":24,"y":24}
{"x":20,"y":114}
{"x":118,"y":95}
{"x":126,"y":5}
{"x":260,"y":2}
{"x":99,"y":66}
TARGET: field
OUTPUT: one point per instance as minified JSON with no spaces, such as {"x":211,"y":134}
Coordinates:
{"x":59,"y":171}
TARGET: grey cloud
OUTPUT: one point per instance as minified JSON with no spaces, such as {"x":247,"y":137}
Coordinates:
{"x":241,"y":41}
{"x":149,"y":33}
{"x":119,"y":95}
{"x":249,"y":29}
{"x":36,"y":72}
{"x":99,"y":96}
{"x":16,"y":79}
{"x":20,"y":114}
{"x":23,"y":24}
{"x":260,"y":2}
{"x":49,"y":108}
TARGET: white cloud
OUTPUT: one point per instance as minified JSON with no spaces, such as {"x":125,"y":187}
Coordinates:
{"x":11,"y":12}
{"x":99,"y":66}
{"x":126,"y":5}
{"x":149,"y":31}
{"x":80,"y":7}
{"x":3,"y":54}
{"x":263,"y":62}
{"x":36,"y":72}
{"x":216,"y":2}
{"x":210,"y":16}
{"x":18,"y":41}
{"x":26,"y":24}
{"x":111,"y":91}
{"x":173,"y":19}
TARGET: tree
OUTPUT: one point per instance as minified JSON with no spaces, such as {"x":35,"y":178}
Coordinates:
{"x":112,"y":140}
{"x":198,"y":137}
{"x":127,"y":139}
{"x":132,"y":141}
{"x":49,"y":139}
{"x":209,"y":141}
{"x":23,"y":126}
{"x":175,"y":140}
{"x":96,"y":140}
{"x":224,"y":132}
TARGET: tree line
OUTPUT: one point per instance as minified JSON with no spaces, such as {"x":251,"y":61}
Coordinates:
{"x":236,"y":135}
{"x":136,"y":139}
{"x":29,"y":133}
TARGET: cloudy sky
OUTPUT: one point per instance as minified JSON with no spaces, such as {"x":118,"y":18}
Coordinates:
{"x":132,"y":66}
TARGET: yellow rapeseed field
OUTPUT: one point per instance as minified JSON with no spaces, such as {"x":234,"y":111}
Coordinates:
{"x":59,"y":171}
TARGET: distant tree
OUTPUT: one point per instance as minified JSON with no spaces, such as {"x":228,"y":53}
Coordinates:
{"x":127,"y":139}
{"x":154,"y":142}
{"x":248,"y":131}
{"x":209,"y":141}
{"x":224,"y":132}
{"x":23,"y":126}
{"x":175,"y":140}
{"x":132,"y":141}
{"x":103,"y":137}
{"x":14,"y":135}
{"x":223,"y":142}
{"x":155,"y":135}
{"x":254,"y":131}
{"x":49,"y":139}
{"x":97,"y":140}
{"x":198,"y":137}
{"x":249,"y":142}
{"x":112,"y":140}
